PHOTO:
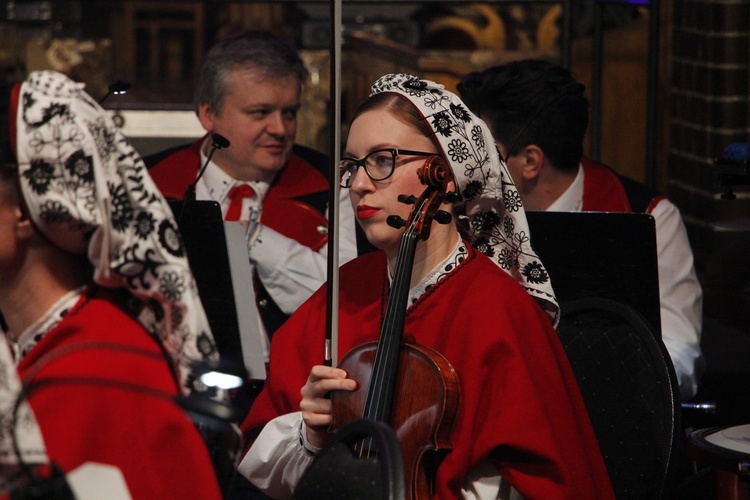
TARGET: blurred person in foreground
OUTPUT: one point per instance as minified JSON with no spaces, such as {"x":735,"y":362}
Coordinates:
{"x":101,"y":311}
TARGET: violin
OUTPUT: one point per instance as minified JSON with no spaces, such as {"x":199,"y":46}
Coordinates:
{"x":390,"y":370}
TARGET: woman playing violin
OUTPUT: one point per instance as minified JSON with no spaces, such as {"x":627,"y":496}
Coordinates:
{"x":478,"y":295}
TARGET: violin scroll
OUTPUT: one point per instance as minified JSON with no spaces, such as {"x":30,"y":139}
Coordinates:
{"x":435,"y":173}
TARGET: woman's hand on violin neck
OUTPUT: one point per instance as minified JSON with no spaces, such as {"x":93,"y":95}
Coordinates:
{"x":315,"y":406}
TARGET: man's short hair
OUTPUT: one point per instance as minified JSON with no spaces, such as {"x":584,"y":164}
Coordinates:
{"x":531,"y":102}
{"x":271,"y":55}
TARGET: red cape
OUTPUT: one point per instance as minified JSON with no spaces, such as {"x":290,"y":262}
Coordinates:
{"x":106,"y":394}
{"x":519,"y":402}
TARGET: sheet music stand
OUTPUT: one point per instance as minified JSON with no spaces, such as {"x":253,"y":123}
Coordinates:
{"x":221,"y":270}
{"x":600,"y":254}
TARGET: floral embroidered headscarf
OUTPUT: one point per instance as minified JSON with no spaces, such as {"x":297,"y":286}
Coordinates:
{"x":88,"y":191}
{"x":490,"y":210}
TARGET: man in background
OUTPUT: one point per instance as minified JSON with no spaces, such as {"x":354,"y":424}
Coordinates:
{"x":248,"y":91}
{"x":538,"y":116}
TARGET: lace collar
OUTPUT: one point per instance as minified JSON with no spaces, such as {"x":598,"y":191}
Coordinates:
{"x":46,"y":323}
{"x":438,"y":272}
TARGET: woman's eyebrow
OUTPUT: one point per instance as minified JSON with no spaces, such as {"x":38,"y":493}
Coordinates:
{"x":349,"y":154}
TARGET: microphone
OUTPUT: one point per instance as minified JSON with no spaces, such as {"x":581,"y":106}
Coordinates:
{"x":118,"y":87}
{"x":218,"y":141}
{"x":570,"y":88}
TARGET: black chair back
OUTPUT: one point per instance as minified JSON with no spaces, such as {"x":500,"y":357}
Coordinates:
{"x":630,"y":390}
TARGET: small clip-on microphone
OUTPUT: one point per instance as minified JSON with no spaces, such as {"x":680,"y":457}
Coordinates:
{"x":218,"y":141}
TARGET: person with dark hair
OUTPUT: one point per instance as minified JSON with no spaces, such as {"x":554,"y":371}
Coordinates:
{"x":538,"y":115}
{"x":101,"y":311}
{"x":477,"y":298}
{"x":248,"y":91}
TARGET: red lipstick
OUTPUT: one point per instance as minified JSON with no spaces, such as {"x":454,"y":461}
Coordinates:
{"x":366,"y":211}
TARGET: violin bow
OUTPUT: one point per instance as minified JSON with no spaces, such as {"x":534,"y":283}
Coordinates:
{"x":334,"y":189}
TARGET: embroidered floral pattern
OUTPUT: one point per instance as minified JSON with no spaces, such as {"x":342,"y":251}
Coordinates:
{"x":39,"y":175}
{"x":483,"y":245}
{"x":459,"y":111}
{"x":122,"y":211}
{"x":442,"y":270}
{"x":144,"y":224}
{"x":170,"y":238}
{"x":206,"y":345}
{"x":512,"y":201}
{"x":84,"y":192}
{"x":477,"y":136}
{"x":458,"y":150}
{"x":171,"y":285}
{"x":472,"y":190}
{"x":491,"y":206}
{"x":53,"y":211}
{"x":81,"y":166}
{"x":535,"y":272}
{"x":508,"y":226}
{"x":105,"y":138}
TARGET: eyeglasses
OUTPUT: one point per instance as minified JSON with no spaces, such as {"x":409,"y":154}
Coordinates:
{"x":378,"y":164}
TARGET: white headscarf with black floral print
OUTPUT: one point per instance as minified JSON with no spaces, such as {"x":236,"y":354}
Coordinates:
{"x":88,"y":191}
{"x":491,"y":211}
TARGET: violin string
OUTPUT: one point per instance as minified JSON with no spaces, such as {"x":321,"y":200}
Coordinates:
{"x":389,"y":346}
{"x":392,"y":345}
{"x":388,"y":349}
{"x":387,"y":341}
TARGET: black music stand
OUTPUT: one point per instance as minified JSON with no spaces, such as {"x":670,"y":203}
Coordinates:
{"x":222,"y":272}
{"x":600,"y":254}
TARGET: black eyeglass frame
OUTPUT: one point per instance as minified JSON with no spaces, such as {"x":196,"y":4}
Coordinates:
{"x":362,"y":162}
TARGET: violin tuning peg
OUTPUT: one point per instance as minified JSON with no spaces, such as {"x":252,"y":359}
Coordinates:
{"x":395,"y":221}
{"x":442,"y":217}
{"x":452,"y":197}
{"x":407,"y":199}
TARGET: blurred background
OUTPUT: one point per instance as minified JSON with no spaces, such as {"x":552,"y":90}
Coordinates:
{"x":668,"y":82}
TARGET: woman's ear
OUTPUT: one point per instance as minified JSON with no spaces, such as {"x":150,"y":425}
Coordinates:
{"x":25,"y":229}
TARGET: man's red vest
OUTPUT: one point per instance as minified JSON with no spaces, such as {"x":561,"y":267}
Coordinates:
{"x":283,"y":208}
{"x":605,"y":191}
